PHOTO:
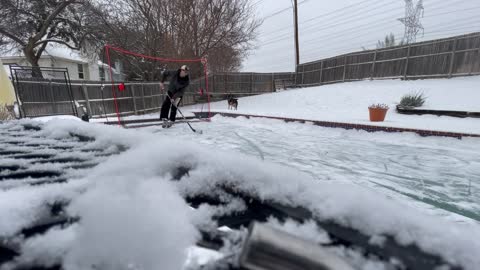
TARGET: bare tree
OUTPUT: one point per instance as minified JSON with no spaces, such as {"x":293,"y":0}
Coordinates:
{"x":389,"y":42}
{"x":30,"y":25}
{"x":220,"y":29}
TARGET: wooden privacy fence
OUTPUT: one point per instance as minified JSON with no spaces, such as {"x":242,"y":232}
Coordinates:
{"x":138,"y":97}
{"x":455,"y":56}
{"x":247,"y":83}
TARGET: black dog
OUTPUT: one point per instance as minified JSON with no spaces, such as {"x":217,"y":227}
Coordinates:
{"x":232,"y":103}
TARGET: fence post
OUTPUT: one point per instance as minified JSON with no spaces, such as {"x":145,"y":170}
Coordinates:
{"x":211,"y":84}
{"x":344,"y":67}
{"x":373,"y":64}
{"x":251,"y":83}
{"x":303,"y":74}
{"x":274,"y":87}
{"x":87,"y":100}
{"x":143,"y":98}
{"x":450,"y":70}
{"x":132,"y":89}
{"x":296,"y":75}
{"x":225,"y":82}
{"x":54,"y":104}
{"x":321,"y":72}
{"x":472,"y":69}
{"x":406,"y":63}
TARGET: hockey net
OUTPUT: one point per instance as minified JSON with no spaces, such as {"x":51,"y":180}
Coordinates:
{"x":136,"y":94}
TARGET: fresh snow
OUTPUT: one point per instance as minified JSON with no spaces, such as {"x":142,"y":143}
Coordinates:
{"x":53,"y":50}
{"x":131,"y":223}
{"x":419,"y":190}
{"x":49,"y":118}
{"x":437,"y":175}
{"x":348,"y":103}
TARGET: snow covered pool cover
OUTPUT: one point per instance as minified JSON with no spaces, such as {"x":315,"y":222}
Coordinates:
{"x":75,"y":195}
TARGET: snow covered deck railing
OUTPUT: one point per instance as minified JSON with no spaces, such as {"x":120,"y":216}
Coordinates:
{"x":369,"y":128}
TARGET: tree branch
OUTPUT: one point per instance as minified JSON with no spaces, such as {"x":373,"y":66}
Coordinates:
{"x":13,"y":37}
{"x":44,"y":45}
{"x":50,"y":18}
{"x":57,"y":41}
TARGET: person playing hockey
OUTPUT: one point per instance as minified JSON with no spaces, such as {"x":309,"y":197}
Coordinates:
{"x":179,"y":80}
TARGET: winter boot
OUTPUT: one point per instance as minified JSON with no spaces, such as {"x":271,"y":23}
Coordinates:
{"x":164,"y":122}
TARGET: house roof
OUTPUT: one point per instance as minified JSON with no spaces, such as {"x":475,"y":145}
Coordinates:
{"x":66,"y":53}
{"x":52,"y":51}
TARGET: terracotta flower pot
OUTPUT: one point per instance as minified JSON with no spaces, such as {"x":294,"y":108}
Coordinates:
{"x":377,"y":114}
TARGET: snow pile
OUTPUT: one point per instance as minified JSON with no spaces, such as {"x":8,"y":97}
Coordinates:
{"x":63,"y":117}
{"x":131,"y":224}
{"x":133,"y":217}
{"x":22,"y":207}
{"x":124,"y":224}
{"x":126,"y":221}
{"x":46,"y":250}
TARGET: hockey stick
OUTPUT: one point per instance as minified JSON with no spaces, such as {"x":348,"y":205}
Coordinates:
{"x":184,"y":118}
{"x":194,"y":130}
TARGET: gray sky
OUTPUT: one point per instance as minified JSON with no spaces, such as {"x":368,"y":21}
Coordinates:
{"x":328,"y":28}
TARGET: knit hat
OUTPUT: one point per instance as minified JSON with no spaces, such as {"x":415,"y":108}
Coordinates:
{"x":184,"y":67}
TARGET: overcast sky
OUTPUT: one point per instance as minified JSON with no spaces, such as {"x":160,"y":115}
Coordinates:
{"x":332,"y":27}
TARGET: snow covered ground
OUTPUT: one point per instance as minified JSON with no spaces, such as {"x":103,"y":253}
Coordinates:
{"x":423,"y":190}
{"x":129,"y":202}
{"x":438,"y":175}
{"x":348,"y":102}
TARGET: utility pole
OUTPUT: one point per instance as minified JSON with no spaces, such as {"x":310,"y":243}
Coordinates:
{"x":297,"y":53}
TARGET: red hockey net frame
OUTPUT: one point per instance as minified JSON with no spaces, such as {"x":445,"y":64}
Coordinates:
{"x":203,"y":61}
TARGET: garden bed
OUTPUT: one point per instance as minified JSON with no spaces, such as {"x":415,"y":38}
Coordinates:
{"x":461,"y":114}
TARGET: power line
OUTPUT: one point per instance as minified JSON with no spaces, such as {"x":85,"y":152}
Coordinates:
{"x":342,"y":10}
{"x":335,"y":51}
{"x":358,"y":12}
{"x":365,"y":16}
{"x":328,"y":26}
{"x":463,"y":25}
{"x":257,"y":3}
{"x":459,"y":25}
{"x":281,"y":11}
{"x":352,"y":18}
{"x":370,"y":43}
{"x":342,"y":33}
{"x":338,"y":52}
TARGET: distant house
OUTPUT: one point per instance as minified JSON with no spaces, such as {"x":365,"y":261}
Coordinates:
{"x":79,"y":67}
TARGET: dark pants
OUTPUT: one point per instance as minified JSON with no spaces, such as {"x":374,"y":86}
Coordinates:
{"x":166,"y":107}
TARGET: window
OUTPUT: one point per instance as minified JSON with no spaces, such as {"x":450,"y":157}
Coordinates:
{"x":81,"y":75}
{"x":101,"y":72}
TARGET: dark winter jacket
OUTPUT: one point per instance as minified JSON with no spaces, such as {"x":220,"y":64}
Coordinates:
{"x":177,"y":84}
